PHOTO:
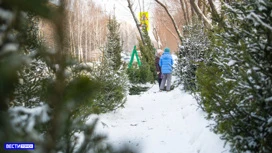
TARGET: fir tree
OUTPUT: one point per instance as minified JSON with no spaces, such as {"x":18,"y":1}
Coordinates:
{"x":34,"y":76}
{"x":235,"y":84}
{"x":148,"y":54}
{"x":113,"y":93}
{"x":113,"y":46}
{"x":190,"y":54}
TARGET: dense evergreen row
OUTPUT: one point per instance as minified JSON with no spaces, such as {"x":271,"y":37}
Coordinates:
{"x":230,"y":75}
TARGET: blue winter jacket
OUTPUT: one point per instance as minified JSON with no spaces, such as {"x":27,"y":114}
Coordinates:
{"x":166,"y":62}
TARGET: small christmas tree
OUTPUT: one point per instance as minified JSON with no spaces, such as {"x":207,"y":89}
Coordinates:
{"x":114,"y":46}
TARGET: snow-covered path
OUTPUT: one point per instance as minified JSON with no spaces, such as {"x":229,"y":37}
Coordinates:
{"x":161,"y":122}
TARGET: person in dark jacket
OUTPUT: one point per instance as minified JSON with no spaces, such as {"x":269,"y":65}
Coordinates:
{"x":166,"y":63}
{"x":158,"y":68}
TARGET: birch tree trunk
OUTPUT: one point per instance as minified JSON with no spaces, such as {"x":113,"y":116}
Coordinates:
{"x":86,"y":32}
{"x":86,"y":43}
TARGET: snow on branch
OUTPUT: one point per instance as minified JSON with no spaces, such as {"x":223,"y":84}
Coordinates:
{"x":256,"y":19}
{"x":24,"y":119}
{"x":172,"y":19}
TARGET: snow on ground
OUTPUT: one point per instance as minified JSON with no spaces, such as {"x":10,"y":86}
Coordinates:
{"x":161,"y":122}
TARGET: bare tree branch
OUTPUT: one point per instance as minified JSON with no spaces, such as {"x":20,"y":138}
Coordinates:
{"x":184,"y":12}
{"x":136,"y":20}
{"x":214,"y":10}
{"x":200,"y":13}
{"x":187,"y":10}
{"x":170,"y":31}
{"x":156,"y":36}
{"x":172,"y":19}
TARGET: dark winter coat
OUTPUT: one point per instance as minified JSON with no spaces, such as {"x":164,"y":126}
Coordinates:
{"x":158,"y":68}
{"x":166,"y":62}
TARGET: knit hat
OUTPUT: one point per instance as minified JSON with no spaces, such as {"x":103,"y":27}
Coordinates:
{"x":166,"y":49}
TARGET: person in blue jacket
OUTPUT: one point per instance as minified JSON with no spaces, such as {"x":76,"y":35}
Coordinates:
{"x":166,"y":63}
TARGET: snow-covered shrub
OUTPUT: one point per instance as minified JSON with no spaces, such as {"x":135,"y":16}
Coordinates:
{"x":33,"y":79}
{"x":113,"y":91}
{"x":138,"y":77}
{"x":236,"y":84}
{"x":134,"y":74}
{"x":111,"y":86}
{"x":24,"y":120}
{"x":190,"y":54}
{"x":140,"y":74}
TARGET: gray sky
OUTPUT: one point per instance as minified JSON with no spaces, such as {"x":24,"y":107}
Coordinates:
{"x":121,"y":8}
{"x":123,"y":13}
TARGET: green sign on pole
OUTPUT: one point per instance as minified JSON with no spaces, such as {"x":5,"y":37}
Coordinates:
{"x":134,"y":52}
